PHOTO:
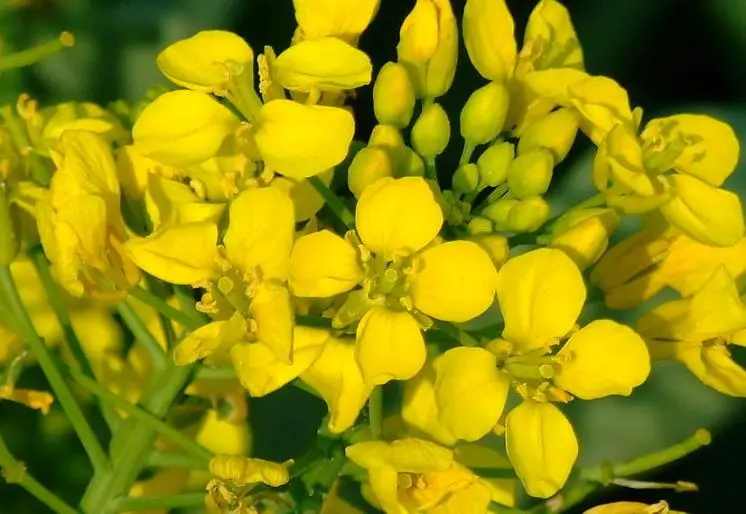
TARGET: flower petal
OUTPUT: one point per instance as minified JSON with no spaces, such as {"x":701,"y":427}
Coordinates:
{"x":541,"y":445}
{"x":603,"y":358}
{"x":550,"y":40}
{"x":337,"y":378}
{"x":383,"y":334}
{"x":541,"y":294}
{"x":713,"y":366}
{"x":455,"y":281}
{"x":470,"y":391}
{"x":303,"y":140}
{"x":272,"y":311}
{"x":323,"y":264}
{"x":306,"y":200}
{"x":207,"y":340}
{"x":260,"y":233}
{"x":182,"y":254}
{"x":410,"y":455}
{"x":420,"y":407}
{"x":398,"y":216}
{"x":261,"y":372}
{"x":320,"y":18}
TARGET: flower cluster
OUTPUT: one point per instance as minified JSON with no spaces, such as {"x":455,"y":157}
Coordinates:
{"x":239,"y":225}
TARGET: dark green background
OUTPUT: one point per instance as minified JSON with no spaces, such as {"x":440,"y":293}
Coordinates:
{"x":671,"y":55}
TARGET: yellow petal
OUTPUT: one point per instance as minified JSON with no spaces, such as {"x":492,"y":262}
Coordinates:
{"x":710,"y":215}
{"x":323,"y":264}
{"x":86,"y":161}
{"x":326,"y":64}
{"x":40,"y":400}
{"x":713,"y":366}
{"x":339,"y":18}
{"x":205,"y":61}
{"x":384,"y":486}
{"x":337,"y":378}
{"x":243,"y":471}
{"x":410,"y":455}
{"x":206,"y":341}
{"x":420,"y":408}
{"x":306,"y":200}
{"x":398,"y":216}
{"x":182,"y":254}
{"x":603,"y":358}
{"x":630,"y":508}
{"x":260,"y":232}
{"x":383,"y":333}
{"x":261,"y":372}
{"x":134,"y":171}
{"x":550,"y":40}
{"x":182,"y":128}
{"x":541,"y":445}
{"x":708,"y":147}
{"x":541,"y":294}
{"x":475,"y":497}
{"x":489,"y":35}
{"x":272,"y":311}
{"x":303,"y":140}
{"x":470,"y":391}
{"x":475,"y":455}
{"x":455,"y":281}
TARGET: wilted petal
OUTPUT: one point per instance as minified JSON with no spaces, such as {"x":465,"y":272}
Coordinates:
{"x":323,"y":264}
{"x":244,"y":471}
{"x":550,"y":40}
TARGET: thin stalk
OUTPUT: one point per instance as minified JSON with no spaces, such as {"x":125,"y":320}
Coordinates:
{"x":189,"y":321}
{"x":40,"y":170}
{"x":183,"y":501}
{"x":334,"y":202}
{"x":15,"y":472}
{"x":142,"y":334}
{"x":46,"y":360}
{"x":375,"y":412}
{"x":37,"y":53}
{"x":159,"y":459}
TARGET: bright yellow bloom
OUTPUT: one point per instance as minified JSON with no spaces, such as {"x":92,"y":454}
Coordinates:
{"x":541,"y":294}
{"x":413,"y":475}
{"x":244,"y":278}
{"x":336,"y":18}
{"x":134,"y":170}
{"x":80,"y":223}
{"x":403,"y":277}
{"x":697,"y":331}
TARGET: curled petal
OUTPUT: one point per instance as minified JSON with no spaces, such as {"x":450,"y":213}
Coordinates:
{"x":323,"y":264}
{"x":245,"y":471}
{"x":713,"y":366}
{"x":550,"y":40}
{"x":208,"y":340}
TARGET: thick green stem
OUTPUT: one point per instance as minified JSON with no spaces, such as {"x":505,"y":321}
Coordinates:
{"x":189,"y":321}
{"x":183,"y":501}
{"x":334,"y":202}
{"x":14,"y":472}
{"x":46,"y":360}
{"x":375,"y":412}
{"x":142,"y":334}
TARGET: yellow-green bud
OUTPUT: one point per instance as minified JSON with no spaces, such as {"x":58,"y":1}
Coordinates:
{"x":393,"y":95}
{"x":390,"y":139}
{"x":431,"y":131}
{"x":584,"y":235}
{"x":412,"y":165}
{"x":556,"y":132}
{"x":494,"y":163}
{"x":496,"y":247}
{"x":466,"y":179}
{"x":483,"y":115}
{"x":528,"y":215}
{"x":530,"y":174}
{"x":369,"y":165}
{"x":479,"y":225}
{"x":498,"y":212}
{"x":10,"y":243}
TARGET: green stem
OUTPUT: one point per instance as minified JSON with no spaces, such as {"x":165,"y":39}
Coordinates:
{"x":375,"y":412}
{"x":334,"y":202}
{"x":159,"y":459}
{"x":176,"y":501}
{"x":37,"y":53}
{"x":142,"y":334}
{"x":431,"y":171}
{"x":189,"y":321}
{"x":15,"y":472}
{"x":40,"y":171}
{"x":60,"y":387}
{"x":466,"y":153}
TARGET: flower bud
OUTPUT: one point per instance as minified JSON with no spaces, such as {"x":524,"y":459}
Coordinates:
{"x":489,"y":36}
{"x":483,"y":115}
{"x":10,"y":243}
{"x":530,"y":174}
{"x":393,"y":95}
{"x":528,"y":215}
{"x":495,"y":246}
{"x":498,"y":212}
{"x":479,"y":225}
{"x":494,"y":163}
{"x":369,"y":165}
{"x":556,"y":132}
{"x":390,"y":139}
{"x":466,"y":179}
{"x":411,"y":166}
{"x":584,"y":235}
{"x":431,"y":131}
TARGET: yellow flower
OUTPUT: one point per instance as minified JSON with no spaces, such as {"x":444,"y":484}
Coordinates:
{"x":631,"y":508}
{"x":428,"y":47}
{"x":541,"y":294}
{"x":336,"y":18}
{"x":402,"y":279}
{"x":134,"y":170}
{"x":79,"y":220}
{"x":413,"y":475}
{"x":39,"y":400}
{"x":236,"y":476}
{"x":244,"y":278}
{"x":697,"y":331}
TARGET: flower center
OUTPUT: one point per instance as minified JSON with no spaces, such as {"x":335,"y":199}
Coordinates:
{"x":388,"y":281}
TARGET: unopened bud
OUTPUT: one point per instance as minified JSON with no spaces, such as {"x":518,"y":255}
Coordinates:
{"x":494,"y":163}
{"x":369,"y":165}
{"x":466,"y":179}
{"x":412,"y":166}
{"x":584,"y":235}
{"x":528,"y":215}
{"x":483,"y":115}
{"x":495,"y":246}
{"x":431,"y":131}
{"x":498,"y":212}
{"x":530,"y":174}
{"x":556,"y":132}
{"x":390,"y":139}
{"x":10,"y":243}
{"x":479,"y":225}
{"x":393,"y":95}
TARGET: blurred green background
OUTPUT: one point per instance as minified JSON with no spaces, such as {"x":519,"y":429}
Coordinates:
{"x":671,"y":55}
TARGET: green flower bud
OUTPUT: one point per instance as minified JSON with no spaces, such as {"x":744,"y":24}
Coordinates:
{"x":10,"y":243}
{"x":479,"y":225}
{"x":431,"y":131}
{"x":393,"y":95}
{"x":498,"y":212}
{"x":528,"y":215}
{"x":390,"y":139}
{"x":483,"y":115}
{"x":494,"y":163}
{"x":466,"y":179}
{"x":369,"y":165}
{"x":530,"y":174}
{"x":556,"y":132}
{"x":412,"y":166}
